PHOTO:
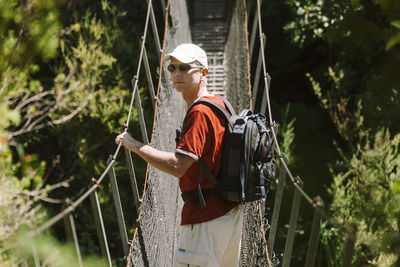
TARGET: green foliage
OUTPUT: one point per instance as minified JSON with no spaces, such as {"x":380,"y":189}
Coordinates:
{"x":313,"y":18}
{"x":329,"y":244}
{"x":48,"y":251}
{"x":367,"y":196}
{"x":288,"y":135}
{"x":357,"y":83}
{"x":347,"y":123}
{"x":21,"y":179}
{"x":8,"y":116}
{"x":65,"y":83}
{"x":76,"y":85}
{"x":28,"y":29}
{"x":19,"y":196}
{"x":395,"y":39}
{"x":366,"y":68}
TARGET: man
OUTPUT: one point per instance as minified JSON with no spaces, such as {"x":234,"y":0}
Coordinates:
{"x":209,"y":235}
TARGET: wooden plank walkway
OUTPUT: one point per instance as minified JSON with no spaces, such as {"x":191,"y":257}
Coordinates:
{"x":209,"y":28}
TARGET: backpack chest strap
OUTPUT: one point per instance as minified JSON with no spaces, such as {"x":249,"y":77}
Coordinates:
{"x":199,"y":194}
{"x":194,"y":194}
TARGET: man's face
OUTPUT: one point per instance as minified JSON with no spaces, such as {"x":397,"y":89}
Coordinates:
{"x":185,"y":80}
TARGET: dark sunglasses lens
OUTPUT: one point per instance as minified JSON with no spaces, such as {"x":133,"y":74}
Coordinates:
{"x":171,"y":67}
{"x":184,"y":67}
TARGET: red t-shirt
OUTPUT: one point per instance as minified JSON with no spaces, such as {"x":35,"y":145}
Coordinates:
{"x":202,"y":138}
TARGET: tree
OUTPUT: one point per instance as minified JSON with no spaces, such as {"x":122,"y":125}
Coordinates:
{"x":59,"y":90}
{"x":21,"y":179}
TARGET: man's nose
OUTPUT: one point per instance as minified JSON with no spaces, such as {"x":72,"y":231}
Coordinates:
{"x":176,"y":72}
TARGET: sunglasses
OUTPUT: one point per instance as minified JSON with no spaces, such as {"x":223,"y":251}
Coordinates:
{"x":182,"y":67}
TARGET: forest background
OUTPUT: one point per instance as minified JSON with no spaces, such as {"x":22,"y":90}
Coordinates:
{"x":65,"y":72}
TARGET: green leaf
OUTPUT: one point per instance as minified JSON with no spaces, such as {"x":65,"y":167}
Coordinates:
{"x":395,"y":39}
{"x":20,"y":150}
{"x":396,"y":186}
{"x":396,"y":23}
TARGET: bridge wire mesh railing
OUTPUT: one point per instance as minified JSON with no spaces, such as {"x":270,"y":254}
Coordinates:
{"x":91,"y":192}
{"x":316,"y":203}
{"x":159,"y":212}
{"x":254,"y":248}
{"x":138,"y":231}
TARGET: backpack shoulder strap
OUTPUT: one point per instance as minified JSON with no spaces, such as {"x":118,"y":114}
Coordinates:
{"x":226,"y":114}
{"x":227,"y":105}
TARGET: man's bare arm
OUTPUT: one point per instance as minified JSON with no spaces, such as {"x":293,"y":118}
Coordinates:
{"x":175,"y":164}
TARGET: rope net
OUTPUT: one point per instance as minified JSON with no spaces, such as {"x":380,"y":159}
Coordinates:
{"x":238,"y":92}
{"x":156,"y":234}
{"x":161,"y":205}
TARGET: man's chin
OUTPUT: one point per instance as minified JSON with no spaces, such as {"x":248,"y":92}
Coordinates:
{"x":180,"y":88}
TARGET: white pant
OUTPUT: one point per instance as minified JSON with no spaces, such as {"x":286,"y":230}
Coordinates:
{"x":215,"y":243}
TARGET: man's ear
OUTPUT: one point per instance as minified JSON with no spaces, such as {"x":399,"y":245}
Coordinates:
{"x":205,"y":72}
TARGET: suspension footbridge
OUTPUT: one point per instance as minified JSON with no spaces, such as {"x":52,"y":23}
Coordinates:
{"x":229,"y":35}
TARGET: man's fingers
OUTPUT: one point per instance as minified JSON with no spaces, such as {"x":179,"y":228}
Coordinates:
{"x":119,"y":138}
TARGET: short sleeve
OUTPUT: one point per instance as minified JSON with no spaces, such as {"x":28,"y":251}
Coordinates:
{"x":195,"y":137}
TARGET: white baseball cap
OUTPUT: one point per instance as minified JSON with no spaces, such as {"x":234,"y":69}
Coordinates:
{"x":187,"y":53}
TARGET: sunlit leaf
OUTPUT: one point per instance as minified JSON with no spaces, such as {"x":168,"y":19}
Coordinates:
{"x":396,"y":186}
{"x":396,"y":23}
{"x":395,"y":39}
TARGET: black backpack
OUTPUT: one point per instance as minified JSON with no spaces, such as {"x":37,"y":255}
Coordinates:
{"x":247,"y":164}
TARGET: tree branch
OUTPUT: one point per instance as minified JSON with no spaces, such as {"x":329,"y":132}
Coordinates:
{"x":33,"y":126}
{"x":33,"y":98}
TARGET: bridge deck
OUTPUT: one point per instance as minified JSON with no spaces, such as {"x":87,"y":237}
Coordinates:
{"x":209,"y":27}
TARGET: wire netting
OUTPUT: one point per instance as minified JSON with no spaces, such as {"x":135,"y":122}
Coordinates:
{"x":161,"y":206}
{"x":238,"y":93}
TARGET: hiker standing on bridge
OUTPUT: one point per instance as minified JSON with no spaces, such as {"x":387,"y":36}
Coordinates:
{"x":209,"y":234}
